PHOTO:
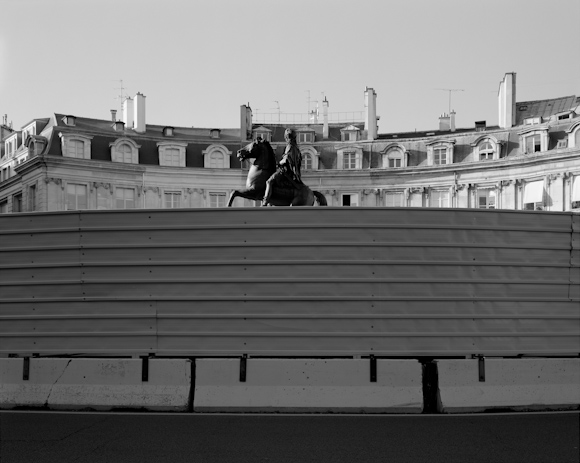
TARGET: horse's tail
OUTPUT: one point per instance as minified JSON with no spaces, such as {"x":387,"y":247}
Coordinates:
{"x":320,"y":198}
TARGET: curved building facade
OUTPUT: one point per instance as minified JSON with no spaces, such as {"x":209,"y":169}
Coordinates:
{"x":529,"y":161}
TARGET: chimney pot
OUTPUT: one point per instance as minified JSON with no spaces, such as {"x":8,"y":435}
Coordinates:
{"x":113,"y":115}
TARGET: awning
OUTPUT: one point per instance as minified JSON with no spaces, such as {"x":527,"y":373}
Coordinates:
{"x":576,"y":189}
{"x":534,"y":192}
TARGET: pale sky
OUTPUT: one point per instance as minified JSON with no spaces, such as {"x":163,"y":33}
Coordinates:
{"x":198,"y":61}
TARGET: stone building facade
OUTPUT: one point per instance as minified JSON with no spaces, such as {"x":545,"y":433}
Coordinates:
{"x":529,"y":161}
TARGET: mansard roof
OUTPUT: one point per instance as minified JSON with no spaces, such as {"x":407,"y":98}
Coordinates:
{"x":544,"y":108}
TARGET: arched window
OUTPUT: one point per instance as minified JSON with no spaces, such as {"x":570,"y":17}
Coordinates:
{"x":125,"y":150}
{"x":76,"y":146}
{"x":486,"y":151}
{"x":216,"y":160}
{"x":309,"y":158}
{"x":440,"y":152}
{"x":126,"y":153}
{"x":216,"y":157}
{"x":486,"y":148}
{"x":394,"y":156}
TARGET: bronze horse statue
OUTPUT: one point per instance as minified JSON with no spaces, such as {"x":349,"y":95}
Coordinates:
{"x":263,"y":167}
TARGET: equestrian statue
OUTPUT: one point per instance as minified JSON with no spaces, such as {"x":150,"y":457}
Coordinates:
{"x":276,"y":184}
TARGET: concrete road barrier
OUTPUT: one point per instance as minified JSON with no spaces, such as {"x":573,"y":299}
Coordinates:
{"x":517,"y":384}
{"x":100,"y":384}
{"x":300,"y":385}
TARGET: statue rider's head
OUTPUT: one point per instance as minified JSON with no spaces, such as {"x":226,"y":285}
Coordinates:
{"x":290,"y":135}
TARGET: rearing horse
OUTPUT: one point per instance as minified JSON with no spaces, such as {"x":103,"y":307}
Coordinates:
{"x":263,"y":167}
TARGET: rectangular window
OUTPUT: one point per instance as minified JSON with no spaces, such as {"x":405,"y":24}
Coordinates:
{"x":172,"y":200}
{"x":306,"y":162}
{"x":76,"y":197}
{"x":350,"y":199}
{"x":394,"y":199}
{"x":172,"y":157}
{"x":534,"y":196}
{"x":32,"y":198}
{"x":103,"y":199}
{"x":440,"y":198}
{"x":217,"y":200}
{"x":77,"y":149}
{"x":440,"y":156}
{"x":533,"y":144}
{"x":4,"y":206}
{"x":486,"y":199}
{"x":349,"y":161}
{"x":17,"y":203}
{"x":394,"y":163}
{"x":125,"y":198}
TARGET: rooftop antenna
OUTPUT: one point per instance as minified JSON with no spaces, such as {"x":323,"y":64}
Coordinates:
{"x":278,"y":105}
{"x":308,"y":113}
{"x":450,"y":90}
{"x":121,"y":97}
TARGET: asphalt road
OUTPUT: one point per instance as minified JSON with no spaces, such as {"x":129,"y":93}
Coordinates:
{"x":111,"y":437}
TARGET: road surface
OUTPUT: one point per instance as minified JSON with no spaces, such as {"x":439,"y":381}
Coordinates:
{"x":142,"y":437}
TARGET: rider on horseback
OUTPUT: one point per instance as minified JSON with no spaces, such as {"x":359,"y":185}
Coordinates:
{"x":288,"y":171}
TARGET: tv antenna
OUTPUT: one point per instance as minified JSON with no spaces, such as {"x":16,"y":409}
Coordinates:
{"x":122,"y":96}
{"x":450,"y":90}
{"x":278,"y":107}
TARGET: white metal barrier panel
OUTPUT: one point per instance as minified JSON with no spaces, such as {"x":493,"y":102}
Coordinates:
{"x":290,"y":282}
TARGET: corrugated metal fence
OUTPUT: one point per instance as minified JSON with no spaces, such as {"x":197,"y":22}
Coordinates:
{"x":290,"y":282}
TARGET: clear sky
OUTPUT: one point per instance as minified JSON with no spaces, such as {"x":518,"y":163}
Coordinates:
{"x":198,"y":61}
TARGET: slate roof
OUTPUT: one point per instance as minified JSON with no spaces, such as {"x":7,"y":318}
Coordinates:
{"x":544,"y":108}
{"x":190,"y":133}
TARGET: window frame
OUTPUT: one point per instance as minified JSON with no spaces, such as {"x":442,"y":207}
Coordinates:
{"x":393,"y":193}
{"x":210,"y":150}
{"x":118,"y":156}
{"x":350,"y":195}
{"x":218,"y":195}
{"x":124,"y":200}
{"x":67,"y":138}
{"x":439,"y":192}
{"x":172,"y":194}
{"x":340,"y":161}
{"x":67,"y":203}
{"x":447,"y":145}
{"x":165,"y":160}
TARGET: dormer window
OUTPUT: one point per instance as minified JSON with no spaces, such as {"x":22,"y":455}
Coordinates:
{"x":440,"y":152}
{"x":305,"y":137}
{"x":564,"y":116}
{"x":395,"y":156}
{"x":263,"y":133}
{"x":214,"y":133}
{"x":532,"y":120}
{"x":69,"y":120}
{"x":534,"y":140}
{"x":349,"y":159}
{"x":350,"y":133}
{"x":486,"y":148}
{"x":168,"y":131}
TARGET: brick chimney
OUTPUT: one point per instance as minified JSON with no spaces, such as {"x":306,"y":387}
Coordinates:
{"x":113,"y":115}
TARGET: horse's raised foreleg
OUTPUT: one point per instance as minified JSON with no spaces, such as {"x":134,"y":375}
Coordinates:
{"x":252,"y":194}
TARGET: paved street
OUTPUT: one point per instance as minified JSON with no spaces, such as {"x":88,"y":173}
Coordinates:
{"x":140,"y":437}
